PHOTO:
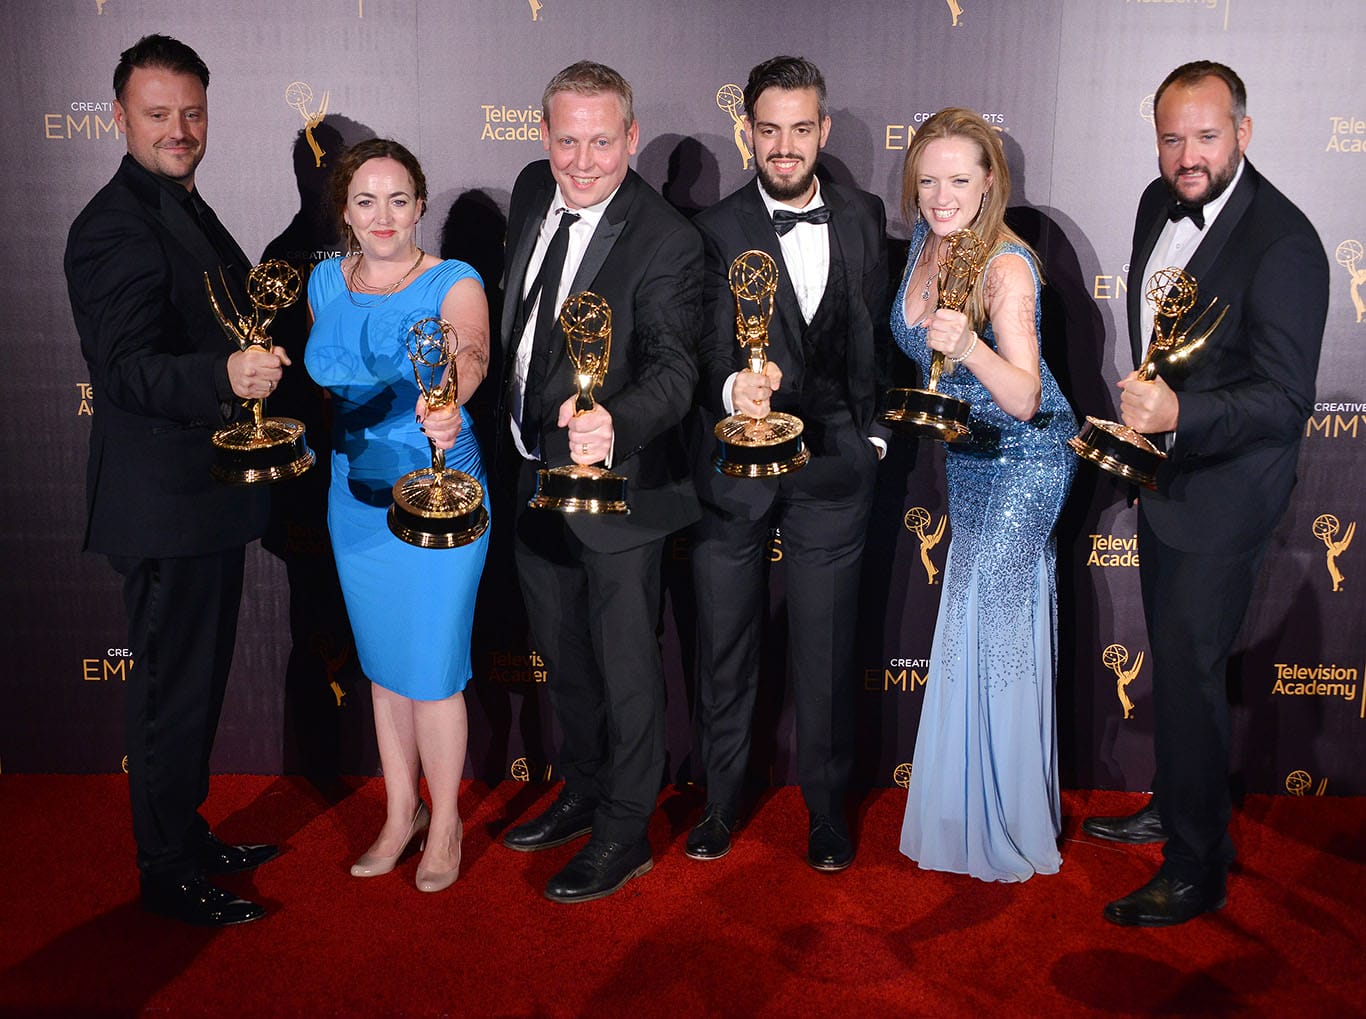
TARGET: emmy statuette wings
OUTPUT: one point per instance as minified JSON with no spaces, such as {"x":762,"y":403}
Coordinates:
{"x":263,"y":449}
{"x":927,"y":413}
{"x":1115,"y":447}
{"x":586,"y":322}
{"x":757,"y":447}
{"x":436,"y":507}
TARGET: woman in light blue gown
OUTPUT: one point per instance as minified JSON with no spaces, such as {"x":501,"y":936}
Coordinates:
{"x":411,"y":609}
{"x":983,"y":796}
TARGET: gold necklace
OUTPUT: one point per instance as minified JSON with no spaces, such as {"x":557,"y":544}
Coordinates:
{"x":381,"y":295}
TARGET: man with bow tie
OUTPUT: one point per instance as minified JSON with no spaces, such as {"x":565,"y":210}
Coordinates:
{"x":826,"y":339}
{"x":1230,"y":418}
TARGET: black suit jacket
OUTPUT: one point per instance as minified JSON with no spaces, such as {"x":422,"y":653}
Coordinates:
{"x":858,"y":250}
{"x":1246,"y":395}
{"x":135,"y":264}
{"x":645,"y":259}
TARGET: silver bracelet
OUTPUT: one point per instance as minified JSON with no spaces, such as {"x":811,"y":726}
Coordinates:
{"x":960,"y":358}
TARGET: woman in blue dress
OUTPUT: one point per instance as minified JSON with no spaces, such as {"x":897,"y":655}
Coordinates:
{"x":411,"y":609}
{"x":983,"y":796}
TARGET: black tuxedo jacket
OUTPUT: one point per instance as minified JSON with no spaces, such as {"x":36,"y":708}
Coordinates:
{"x":858,"y":251}
{"x":135,"y":264}
{"x":645,"y":259}
{"x":1246,"y":395}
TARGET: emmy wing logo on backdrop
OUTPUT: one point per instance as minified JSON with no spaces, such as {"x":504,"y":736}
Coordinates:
{"x":1326,"y":528}
{"x":729,"y":99}
{"x":955,"y":11}
{"x":917,"y":521}
{"x":536,"y":6}
{"x":298,"y":94}
{"x":1298,"y":783}
{"x":1349,"y":255}
{"x":901,"y":775}
{"x":333,"y":661}
{"x":1145,"y":107}
{"x":520,"y":771}
{"x":1115,"y":658}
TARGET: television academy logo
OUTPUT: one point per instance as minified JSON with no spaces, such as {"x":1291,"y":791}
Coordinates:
{"x":1298,"y":783}
{"x":729,"y":99}
{"x":1116,"y":659}
{"x":1326,"y":528}
{"x":917,"y":521}
{"x":536,"y":6}
{"x":1349,"y":254}
{"x":521,"y":770}
{"x":298,"y":94}
{"x":955,"y":11}
{"x":901,"y":775}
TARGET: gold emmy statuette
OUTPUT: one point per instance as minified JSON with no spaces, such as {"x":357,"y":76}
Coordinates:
{"x":1116,"y":447}
{"x":927,"y":413}
{"x":263,"y":449}
{"x":436,"y":507}
{"x":586,"y":321}
{"x":772,"y":445}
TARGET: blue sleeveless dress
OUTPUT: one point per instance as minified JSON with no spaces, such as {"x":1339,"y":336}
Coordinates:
{"x":411,"y":609}
{"x":983,"y":796}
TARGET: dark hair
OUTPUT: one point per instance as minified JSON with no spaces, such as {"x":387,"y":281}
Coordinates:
{"x":788,"y":73}
{"x":339,"y":183}
{"x":1197,"y":71}
{"x":588,"y":78}
{"x":160,"y":51}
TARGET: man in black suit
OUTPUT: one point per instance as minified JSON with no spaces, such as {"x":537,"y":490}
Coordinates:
{"x":164,"y":377}
{"x":583,"y":220}
{"x":1232,"y":417}
{"x":826,"y":344}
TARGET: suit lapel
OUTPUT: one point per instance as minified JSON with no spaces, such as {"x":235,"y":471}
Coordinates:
{"x":609,"y":228}
{"x":1138,"y":342}
{"x":757,"y":226}
{"x":521,"y":256}
{"x":1222,"y":228}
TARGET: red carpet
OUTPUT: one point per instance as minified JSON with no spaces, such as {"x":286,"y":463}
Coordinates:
{"x":755,"y":934}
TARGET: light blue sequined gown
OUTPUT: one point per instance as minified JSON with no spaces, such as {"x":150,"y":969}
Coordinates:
{"x":983,"y":796}
{"x":411,"y":609}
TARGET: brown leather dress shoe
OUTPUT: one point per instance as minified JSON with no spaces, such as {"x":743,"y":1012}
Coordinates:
{"x":1133,"y":829}
{"x":1165,"y":902}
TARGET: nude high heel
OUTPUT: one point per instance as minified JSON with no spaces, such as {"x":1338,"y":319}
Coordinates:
{"x":440,"y":880}
{"x":373,"y":865}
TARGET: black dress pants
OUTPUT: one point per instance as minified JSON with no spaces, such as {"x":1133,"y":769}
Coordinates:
{"x":182,"y":625}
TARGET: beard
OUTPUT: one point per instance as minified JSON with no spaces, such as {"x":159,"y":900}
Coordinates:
{"x":1217,"y":182}
{"x":782,"y":190}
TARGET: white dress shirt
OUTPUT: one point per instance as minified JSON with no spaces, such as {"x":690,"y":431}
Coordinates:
{"x":580,"y":233}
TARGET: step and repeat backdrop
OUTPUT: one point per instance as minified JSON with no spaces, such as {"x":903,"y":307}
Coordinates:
{"x":1068,"y":83}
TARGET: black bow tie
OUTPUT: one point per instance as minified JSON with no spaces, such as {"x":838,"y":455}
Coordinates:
{"x":785,"y":219}
{"x":1176,"y":211}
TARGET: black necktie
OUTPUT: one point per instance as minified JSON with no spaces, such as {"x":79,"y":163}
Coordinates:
{"x":785,"y":219}
{"x":547,"y":286}
{"x":1176,"y":211}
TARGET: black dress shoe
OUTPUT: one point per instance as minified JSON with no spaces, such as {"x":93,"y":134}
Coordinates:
{"x":598,"y":870}
{"x":827,"y":846}
{"x":710,"y":839}
{"x":1165,"y":902}
{"x":570,"y":816}
{"x":221,"y":858}
{"x":196,"y":901}
{"x":1144,"y":826}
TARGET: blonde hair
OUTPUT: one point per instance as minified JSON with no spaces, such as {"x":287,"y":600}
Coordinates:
{"x":990,"y":222}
